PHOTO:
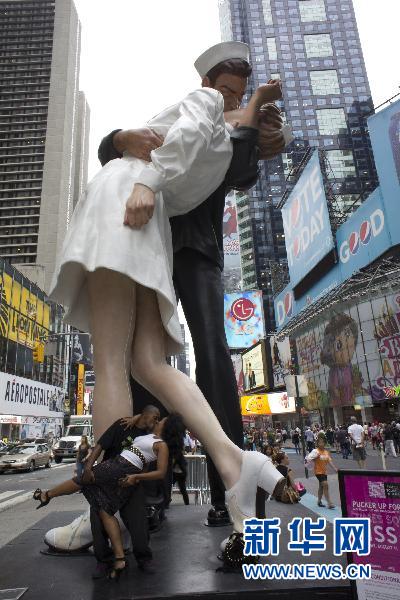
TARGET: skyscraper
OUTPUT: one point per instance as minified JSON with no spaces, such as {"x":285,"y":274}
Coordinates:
{"x":313,"y":46}
{"x":44,"y":124}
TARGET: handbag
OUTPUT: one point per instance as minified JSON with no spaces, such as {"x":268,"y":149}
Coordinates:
{"x":289,"y":495}
{"x":300,"y":489}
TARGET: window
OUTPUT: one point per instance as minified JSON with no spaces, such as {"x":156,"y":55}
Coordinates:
{"x":324,"y":83}
{"x":318,"y":45}
{"x":312,"y":10}
{"x":266,"y":6}
{"x":271,"y":45}
{"x":331,"y":121}
{"x":340,"y":164}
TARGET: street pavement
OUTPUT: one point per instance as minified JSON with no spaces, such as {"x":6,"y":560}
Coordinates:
{"x":18,"y":510}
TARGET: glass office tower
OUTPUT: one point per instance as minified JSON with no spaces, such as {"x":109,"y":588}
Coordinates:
{"x":313,"y":46}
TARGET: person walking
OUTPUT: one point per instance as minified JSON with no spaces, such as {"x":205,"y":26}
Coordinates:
{"x":357,"y":438}
{"x":388,"y":439}
{"x":310,"y":440}
{"x":321,"y":458}
{"x":296,"y":441}
{"x":82,"y":455}
{"x":179,"y":474}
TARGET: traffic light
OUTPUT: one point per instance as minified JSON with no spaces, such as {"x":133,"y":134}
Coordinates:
{"x":38,"y":352}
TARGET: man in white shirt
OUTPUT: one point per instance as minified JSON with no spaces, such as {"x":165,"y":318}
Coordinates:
{"x":357,"y":437}
{"x":309,"y":435}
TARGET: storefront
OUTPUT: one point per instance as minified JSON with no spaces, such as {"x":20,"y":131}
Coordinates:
{"x":29,"y":409}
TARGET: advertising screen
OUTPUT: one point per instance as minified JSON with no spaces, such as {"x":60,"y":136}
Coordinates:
{"x":255,"y":373}
{"x":255,"y":405}
{"x":24,"y":317}
{"x":308,"y":234}
{"x":384,"y":131}
{"x":281,"y":403}
{"x":267,"y":404}
{"x":244,"y":319}
{"x":232,"y":274}
{"x":281,"y":360}
{"x":375,"y":495}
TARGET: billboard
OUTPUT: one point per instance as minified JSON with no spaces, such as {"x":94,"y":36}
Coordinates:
{"x":20,"y":396}
{"x":254,"y":405}
{"x":352,"y":357}
{"x":281,"y":403}
{"x":255,"y":374}
{"x":267,"y":404}
{"x":24,"y":318}
{"x":360,"y":240}
{"x":384,"y":131}
{"x":82,"y":349}
{"x":370,"y":231}
{"x":281,"y":360}
{"x":375,"y":495}
{"x":244,"y":319}
{"x":238,"y":368}
{"x":232,"y":274}
{"x":308,"y":234}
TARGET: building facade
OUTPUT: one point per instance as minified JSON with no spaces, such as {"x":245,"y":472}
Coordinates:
{"x":33,"y":374}
{"x":44,"y":124}
{"x":313,"y":46}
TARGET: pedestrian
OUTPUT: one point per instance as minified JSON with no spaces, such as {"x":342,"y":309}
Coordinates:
{"x":82,"y":455}
{"x":388,"y":439}
{"x":179,"y":474}
{"x":284,"y":435}
{"x":321,"y":458}
{"x":330,"y":436}
{"x":357,"y":438}
{"x":396,"y":437}
{"x":374,"y":436}
{"x":344,"y":442}
{"x":296,"y":441}
{"x":310,"y":439}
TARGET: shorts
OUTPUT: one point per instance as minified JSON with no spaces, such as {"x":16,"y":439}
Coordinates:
{"x":321,"y":477}
{"x":359,"y":453}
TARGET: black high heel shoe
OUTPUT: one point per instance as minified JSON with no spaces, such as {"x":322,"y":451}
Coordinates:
{"x":116,"y":572}
{"x":37,"y":495}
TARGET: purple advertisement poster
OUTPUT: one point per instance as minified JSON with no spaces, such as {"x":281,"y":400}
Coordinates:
{"x":376,"y":495}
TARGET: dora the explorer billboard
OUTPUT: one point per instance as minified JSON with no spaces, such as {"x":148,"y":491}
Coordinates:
{"x":24,"y":318}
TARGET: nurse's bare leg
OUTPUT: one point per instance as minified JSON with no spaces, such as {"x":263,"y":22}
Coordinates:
{"x":112,"y":299}
{"x":177,"y":391}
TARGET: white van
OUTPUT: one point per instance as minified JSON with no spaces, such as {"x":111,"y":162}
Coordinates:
{"x":67,"y":445}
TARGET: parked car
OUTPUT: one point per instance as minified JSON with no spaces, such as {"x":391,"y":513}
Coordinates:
{"x":26,"y":457}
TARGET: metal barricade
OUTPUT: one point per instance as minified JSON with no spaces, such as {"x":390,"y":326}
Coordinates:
{"x":197,"y":478}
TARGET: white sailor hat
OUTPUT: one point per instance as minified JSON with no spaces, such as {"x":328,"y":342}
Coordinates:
{"x":220,"y":52}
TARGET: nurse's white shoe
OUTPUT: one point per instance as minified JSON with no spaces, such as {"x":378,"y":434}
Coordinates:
{"x":72,"y":537}
{"x":78,"y":535}
{"x":257,"y":471}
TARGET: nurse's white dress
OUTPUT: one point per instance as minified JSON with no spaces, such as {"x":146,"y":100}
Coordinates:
{"x":184,"y":171}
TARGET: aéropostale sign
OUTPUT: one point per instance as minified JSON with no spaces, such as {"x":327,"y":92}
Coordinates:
{"x":308,"y":233}
{"x":20,"y":396}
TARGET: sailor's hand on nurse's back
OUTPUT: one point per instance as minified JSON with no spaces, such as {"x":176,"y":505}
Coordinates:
{"x":137,"y":142}
{"x":139,"y":206}
{"x":127,"y":422}
{"x":270,"y":91}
